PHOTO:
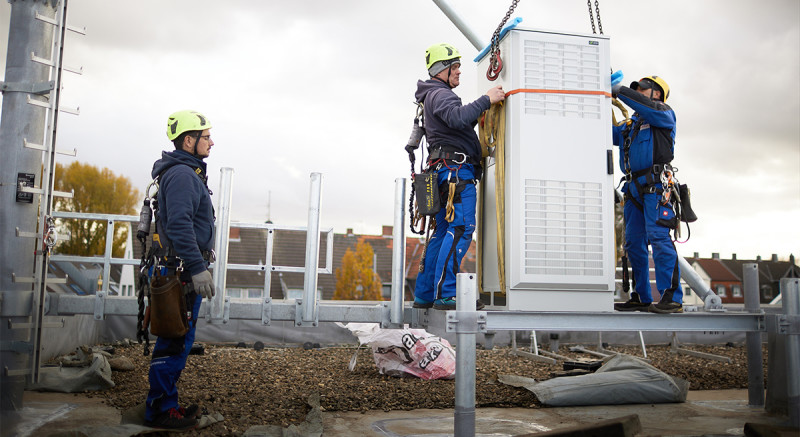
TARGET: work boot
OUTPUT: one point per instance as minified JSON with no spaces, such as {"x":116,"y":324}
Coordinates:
{"x":172,"y":419}
{"x":633,"y":304}
{"x":666,"y":305}
{"x":419,"y":303}
{"x":449,"y":304}
{"x":191,"y":412}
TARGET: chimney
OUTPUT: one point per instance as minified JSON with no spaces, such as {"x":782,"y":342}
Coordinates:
{"x":715,"y":255}
{"x":774,"y":257}
{"x":349,"y":232}
{"x":758,"y":258}
{"x":387,"y":231}
{"x":733,"y":257}
{"x":696,"y":255}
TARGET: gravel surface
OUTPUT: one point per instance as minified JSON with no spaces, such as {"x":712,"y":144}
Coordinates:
{"x":272,"y":386}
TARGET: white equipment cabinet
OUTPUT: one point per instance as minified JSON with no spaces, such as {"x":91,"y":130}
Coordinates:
{"x":559,"y":188}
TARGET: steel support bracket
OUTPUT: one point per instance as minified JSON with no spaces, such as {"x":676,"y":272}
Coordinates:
{"x":420,"y":318}
{"x":783,"y":324}
{"x":27,"y":87}
{"x":266,"y":311}
{"x":466,"y":322}
{"x":99,"y":305}
{"x":298,"y":315}
{"x":386,"y":316}
{"x":226,"y":310}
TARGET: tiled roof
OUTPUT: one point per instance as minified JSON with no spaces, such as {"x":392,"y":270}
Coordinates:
{"x":717,"y":271}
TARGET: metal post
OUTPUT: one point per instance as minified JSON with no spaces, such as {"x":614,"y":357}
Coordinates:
{"x":221,"y":238}
{"x":465,"y":355}
{"x":755,"y":368}
{"x":398,"y":253}
{"x":790,"y":290}
{"x":312,"y":251}
{"x":20,"y":122}
{"x":710,"y":299}
{"x":456,"y":19}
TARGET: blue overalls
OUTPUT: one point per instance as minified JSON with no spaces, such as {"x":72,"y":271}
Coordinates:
{"x":649,"y":141}
{"x":450,"y":240}
{"x":169,"y":360}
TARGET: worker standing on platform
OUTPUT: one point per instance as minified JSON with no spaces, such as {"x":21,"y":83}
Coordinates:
{"x":455,"y":156}
{"x":646,"y":143}
{"x":186,"y":221}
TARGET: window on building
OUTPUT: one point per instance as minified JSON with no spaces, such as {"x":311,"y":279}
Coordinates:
{"x":766,"y":290}
{"x":234,"y":293}
{"x":294,"y":293}
{"x":254,"y":293}
{"x":736,"y":289}
{"x":687,"y":290}
{"x":721,"y":291}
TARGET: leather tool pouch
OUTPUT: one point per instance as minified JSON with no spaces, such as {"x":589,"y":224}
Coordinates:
{"x":427,"y":190}
{"x":167,"y":307}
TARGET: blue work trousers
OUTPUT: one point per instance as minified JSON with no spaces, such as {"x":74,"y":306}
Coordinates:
{"x":450,"y":240}
{"x":169,"y":360}
{"x":641,"y":229}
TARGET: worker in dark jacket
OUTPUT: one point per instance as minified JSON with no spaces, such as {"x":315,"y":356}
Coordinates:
{"x":646,"y":146}
{"x":455,"y":154}
{"x":186,"y":221}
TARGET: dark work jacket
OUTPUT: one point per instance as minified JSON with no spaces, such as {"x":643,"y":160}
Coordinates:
{"x":447,"y":121}
{"x":186,"y":216}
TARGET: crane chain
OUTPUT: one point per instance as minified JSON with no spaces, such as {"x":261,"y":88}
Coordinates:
{"x":495,"y":63}
{"x":591,"y":16}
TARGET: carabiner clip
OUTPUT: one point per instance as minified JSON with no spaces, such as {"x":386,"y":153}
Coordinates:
{"x":463,"y":160}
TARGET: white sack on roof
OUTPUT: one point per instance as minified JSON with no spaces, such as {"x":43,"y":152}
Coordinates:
{"x":95,"y":377}
{"x":406,"y":352}
{"x":623,"y":379}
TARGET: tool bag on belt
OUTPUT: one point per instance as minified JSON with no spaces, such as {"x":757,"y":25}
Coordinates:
{"x":426,"y":188}
{"x":167,"y":307}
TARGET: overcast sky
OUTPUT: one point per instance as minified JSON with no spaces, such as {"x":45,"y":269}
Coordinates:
{"x":295,"y":87}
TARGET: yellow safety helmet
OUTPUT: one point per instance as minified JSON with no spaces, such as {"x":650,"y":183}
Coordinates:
{"x":184,"y":121}
{"x":444,"y":54}
{"x":647,"y":82}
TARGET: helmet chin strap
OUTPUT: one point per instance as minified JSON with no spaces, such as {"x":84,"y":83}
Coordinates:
{"x":194,"y":149}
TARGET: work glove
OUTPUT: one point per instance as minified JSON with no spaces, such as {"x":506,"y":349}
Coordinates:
{"x":616,"y":82}
{"x":203,"y":284}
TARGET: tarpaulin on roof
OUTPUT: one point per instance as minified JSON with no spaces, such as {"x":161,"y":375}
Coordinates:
{"x":623,"y":379}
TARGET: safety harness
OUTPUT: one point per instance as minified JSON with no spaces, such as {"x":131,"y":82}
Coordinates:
{"x":663,"y":174}
{"x":159,"y":257}
{"x":425,"y":191}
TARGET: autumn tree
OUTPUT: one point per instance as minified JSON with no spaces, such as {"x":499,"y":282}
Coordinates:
{"x":355,"y":279}
{"x":96,"y":191}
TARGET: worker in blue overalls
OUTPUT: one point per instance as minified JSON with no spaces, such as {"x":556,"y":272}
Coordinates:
{"x":646,"y":144}
{"x":186,"y":221}
{"x":455,"y":155}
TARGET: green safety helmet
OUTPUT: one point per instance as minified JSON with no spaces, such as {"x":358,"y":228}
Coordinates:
{"x":184,"y":121}
{"x":440,"y":56}
{"x":647,"y":82}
